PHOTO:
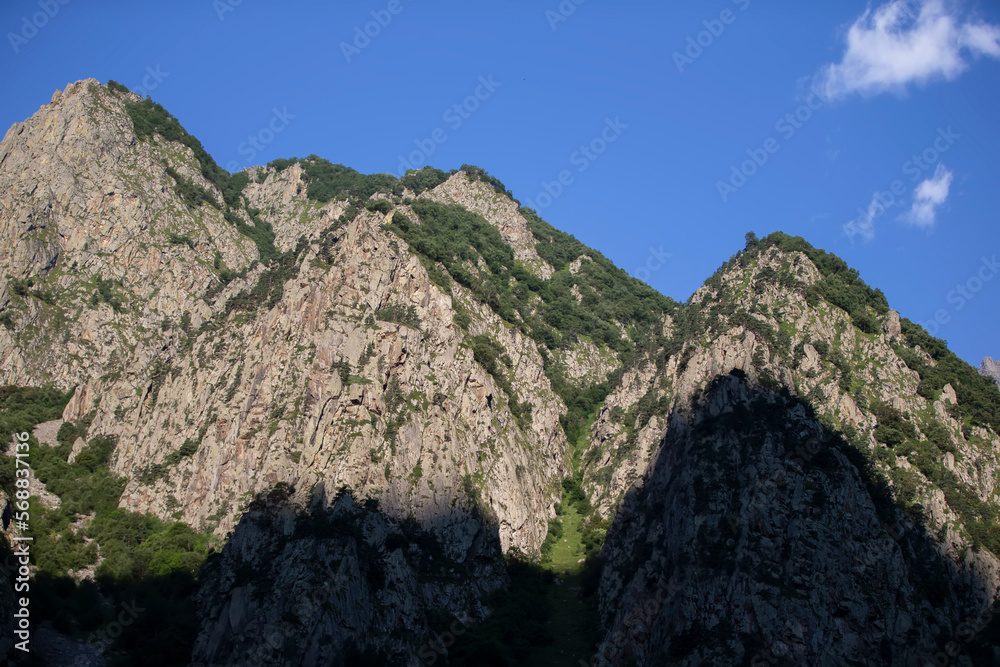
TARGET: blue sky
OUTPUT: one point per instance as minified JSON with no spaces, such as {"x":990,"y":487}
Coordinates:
{"x":646,"y":110}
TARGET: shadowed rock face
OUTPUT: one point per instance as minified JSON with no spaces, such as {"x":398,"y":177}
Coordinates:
{"x":750,"y":451}
{"x":755,"y":538}
{"x":297,"y":586}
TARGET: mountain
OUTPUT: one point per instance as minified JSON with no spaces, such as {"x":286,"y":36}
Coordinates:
{"x":990,"y":368}
{"x":310,"y":416}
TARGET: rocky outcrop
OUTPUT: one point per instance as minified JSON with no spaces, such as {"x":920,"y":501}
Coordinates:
{"x":87,"y":202}
{"x":772,"y":333}
{"x":754,"y":539}
{"x":315,"y":385}
{"x":340,"y":585}
{"x":499,"y":210}
{"x":240,"y":339}
{"x":990,"y":368}
{"x":710,"y":494}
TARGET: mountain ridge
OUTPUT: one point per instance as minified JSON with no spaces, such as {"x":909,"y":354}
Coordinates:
{"x":455,"y":365}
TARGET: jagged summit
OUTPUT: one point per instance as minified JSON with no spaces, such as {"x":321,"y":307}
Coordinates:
{"x":282,"y":314}
{"x":475,"y":380}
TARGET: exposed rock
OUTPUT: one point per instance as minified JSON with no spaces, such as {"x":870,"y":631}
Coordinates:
{"x":228,"y":366}
{"x":990,"y":368}
{"x":746,"y":544}
{"x":499,"y":211}
{"x":257,"y":391}
{"x":307,"y":588}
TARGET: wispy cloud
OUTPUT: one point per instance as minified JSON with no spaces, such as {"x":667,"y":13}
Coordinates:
{"x":929,"y":195}
{"x":907,"y":41}
{"x":864,"y":224}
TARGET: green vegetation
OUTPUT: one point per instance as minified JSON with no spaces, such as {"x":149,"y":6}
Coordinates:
{"x":117,"y":87}
{"x":545,"y":310}
{"x":608,"y":294}
{"x":270,"y":285}
{"x":150,"y":118}
{"x":146,"y":562}
{"x":494,"y":359}
{"x":405,"y":315}
{"x":104,"y":293}
{"x":191,"y":194}
{"x":479,"y":174}
{"x":421,"y":180}
{"x":27,"y":287}
{"x":178,"y":239}
{"x":840,"y":286}
{"x":978,"y":396}
{"x":21,"y":408}
{"x":327,"y":181}
{"x":382,"y":206}
{"x":281,"y":164}
{"x":980,"y":519}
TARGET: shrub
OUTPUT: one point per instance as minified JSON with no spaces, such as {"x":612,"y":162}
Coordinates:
{"x":280,"y":164}
{"x":178,"y":239}
{"x":423,"y":179}
{"x":117,"y":87}
{"x":378,"y":205}
{"x":405,"y":315}
{"x":978,"y":396}
{"x":327,"y":181}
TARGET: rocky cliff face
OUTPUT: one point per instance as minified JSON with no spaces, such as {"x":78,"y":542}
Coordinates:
{"x":691,"y":481}
{"x":165,"y":358}
{"x":402,"y":373}
{"x":339,"y":585}
{"x":990,"y":368}
{"x":755,"y":538}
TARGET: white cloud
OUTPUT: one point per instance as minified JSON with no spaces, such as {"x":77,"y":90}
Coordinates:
{"x":907,"y":41}
{"x":864,"y":225}
{"x":928,"y":196}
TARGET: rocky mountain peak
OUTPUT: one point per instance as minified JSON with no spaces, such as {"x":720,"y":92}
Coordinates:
{"x":400,"y":392}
